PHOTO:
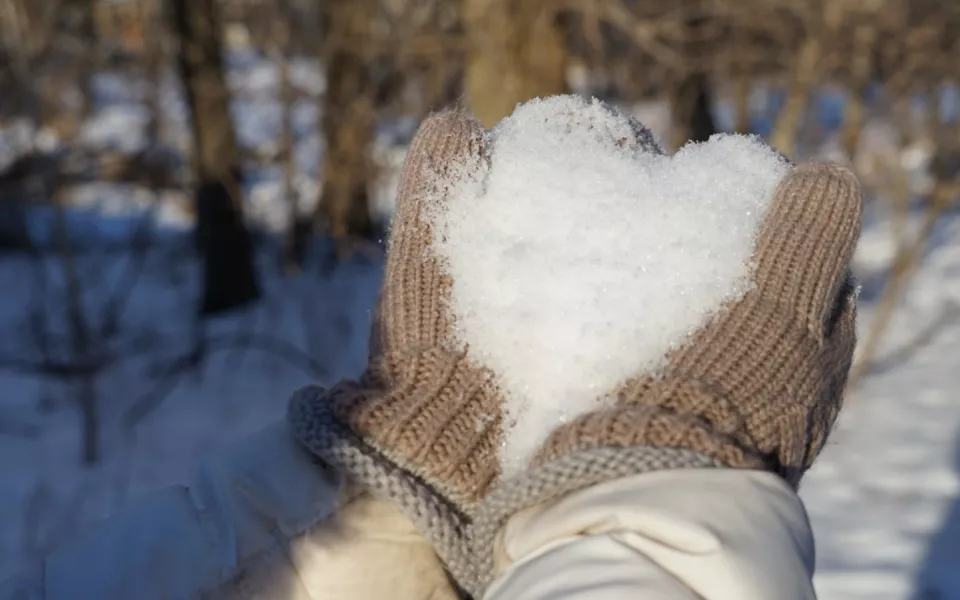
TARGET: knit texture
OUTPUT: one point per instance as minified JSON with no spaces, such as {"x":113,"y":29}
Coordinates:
{"x":445,"y":524}
{"x":422,"y":425}
{"x":760,"y":385}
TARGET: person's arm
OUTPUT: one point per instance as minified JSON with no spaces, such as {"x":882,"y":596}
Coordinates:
{"x":717,"y":534}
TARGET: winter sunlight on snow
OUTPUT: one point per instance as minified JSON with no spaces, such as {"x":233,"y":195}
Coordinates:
{"x":884,"y":498}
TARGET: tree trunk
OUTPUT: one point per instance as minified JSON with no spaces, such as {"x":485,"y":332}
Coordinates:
{"x":17,"y":187}
{"x":13,"y":223}
{"x":802,"y":80}
{"x":298,"y":230}
{"x":230,"y":280}
{"x":691,"y":101}
{"x":742,"y":84}
{"x":693,"y":120}
{"x":347,"y":122}
{"x":155,"y":43}
{"x":518,"y":53}
{"x":862,"y":71}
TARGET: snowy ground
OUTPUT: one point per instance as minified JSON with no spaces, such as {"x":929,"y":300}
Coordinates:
{"x":307,"y":329}
{"x":884,"y":498}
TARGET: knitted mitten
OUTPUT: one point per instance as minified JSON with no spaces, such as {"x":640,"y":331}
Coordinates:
{"x":422,"y":425}
{"x":758,"y":387}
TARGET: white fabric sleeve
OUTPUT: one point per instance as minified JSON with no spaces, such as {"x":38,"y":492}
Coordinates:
{"x":245,"y":501}
{"x":712,"y":534}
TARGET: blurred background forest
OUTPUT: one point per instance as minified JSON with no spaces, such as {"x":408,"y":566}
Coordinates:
{"x":194,"y":196}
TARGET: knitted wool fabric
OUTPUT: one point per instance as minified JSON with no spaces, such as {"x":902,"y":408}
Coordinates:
{"x":758,"y":387}
{"x":422,"y":425}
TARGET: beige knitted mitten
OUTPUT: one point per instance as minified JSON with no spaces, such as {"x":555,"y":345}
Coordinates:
{"x":422,"y":425}
{"x":758,"y":387}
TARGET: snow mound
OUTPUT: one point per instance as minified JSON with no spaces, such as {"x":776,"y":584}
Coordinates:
{"x":581,"y":255}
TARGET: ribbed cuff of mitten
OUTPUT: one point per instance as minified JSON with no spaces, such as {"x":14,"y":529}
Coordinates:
{"x":439,"y":420}
{"x":314,"y":424}
{"x":759,"y":385}
{"x":429,"y":446}
{"x":633,"y":426}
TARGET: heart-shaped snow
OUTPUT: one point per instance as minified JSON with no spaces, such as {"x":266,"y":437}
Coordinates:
{"x":579,"y":260}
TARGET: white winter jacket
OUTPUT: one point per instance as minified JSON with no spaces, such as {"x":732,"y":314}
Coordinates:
{"x":262,"y":520}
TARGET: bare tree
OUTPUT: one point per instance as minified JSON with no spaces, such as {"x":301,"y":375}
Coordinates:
{"x":348,"y":117}
{"x":691,"y":97}
{"x":14,"y":199}
{"x":230,"y":280}
{"x":517,"y":52}
{"x":806,"y":71}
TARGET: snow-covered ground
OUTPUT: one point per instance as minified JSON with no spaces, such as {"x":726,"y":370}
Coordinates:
{"x":884,"y":498}
{"x":306,"y":329}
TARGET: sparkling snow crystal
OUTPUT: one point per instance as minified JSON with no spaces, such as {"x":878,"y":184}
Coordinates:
{"x":580,"y":257}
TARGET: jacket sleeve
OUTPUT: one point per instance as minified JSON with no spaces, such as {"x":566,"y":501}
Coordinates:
{"x":718,"y":534}
{"x":181,"y":542}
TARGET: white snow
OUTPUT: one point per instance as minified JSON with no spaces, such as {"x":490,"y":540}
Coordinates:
{"x":582,"y":257}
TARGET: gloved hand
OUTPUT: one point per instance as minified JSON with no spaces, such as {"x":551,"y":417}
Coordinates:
{"x":422,"y":425}
{"x":761,"y":384}
{"x":758,"y":386}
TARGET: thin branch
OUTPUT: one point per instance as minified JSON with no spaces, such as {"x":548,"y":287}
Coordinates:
{"x":123,"y":291}
{"x":904,"y":267}
{"x":644,"y":33}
